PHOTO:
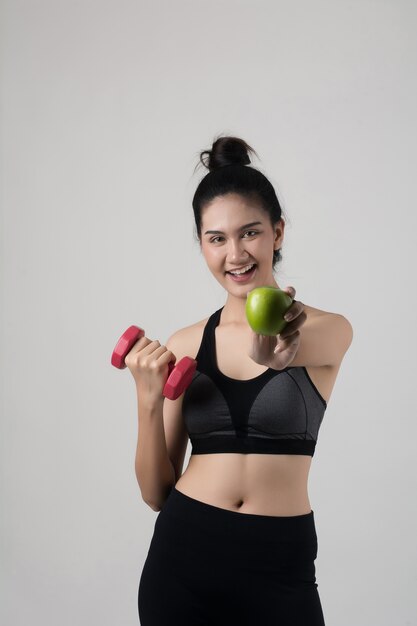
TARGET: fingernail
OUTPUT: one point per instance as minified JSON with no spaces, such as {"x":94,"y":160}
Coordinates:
{"x":287,"y":317}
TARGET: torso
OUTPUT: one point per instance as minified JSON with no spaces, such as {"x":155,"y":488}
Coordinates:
{"x":261,"y":484}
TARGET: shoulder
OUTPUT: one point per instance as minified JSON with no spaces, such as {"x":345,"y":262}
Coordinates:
{"x":312,"y":312}
{"x":327,"y":319}
{"x":186,"y":340}
{"x":325,"y":337}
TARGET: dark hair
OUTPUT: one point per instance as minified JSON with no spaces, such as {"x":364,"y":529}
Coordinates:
{"x":228,"y":173}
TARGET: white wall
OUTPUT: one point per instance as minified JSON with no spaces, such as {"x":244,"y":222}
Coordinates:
{"x":105,"y":106}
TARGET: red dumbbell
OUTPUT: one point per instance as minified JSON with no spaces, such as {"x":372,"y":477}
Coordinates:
{"x":179,"y":375}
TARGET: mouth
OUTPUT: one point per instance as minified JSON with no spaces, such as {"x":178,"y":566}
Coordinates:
{"x":245,"y":277}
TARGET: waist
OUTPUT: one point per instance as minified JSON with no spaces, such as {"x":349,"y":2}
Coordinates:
{"x":232,"y":529}
{"x":249,"y":483}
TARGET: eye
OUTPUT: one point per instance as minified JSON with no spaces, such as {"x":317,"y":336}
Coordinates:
{"x":220,"y":237}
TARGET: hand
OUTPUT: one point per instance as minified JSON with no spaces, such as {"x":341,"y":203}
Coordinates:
{"x":265,"y":350}
{"x":148,"y":362}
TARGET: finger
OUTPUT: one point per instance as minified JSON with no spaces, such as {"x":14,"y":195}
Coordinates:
{"x":294,"y":310}
{"x":291,"y":291}
{"x":287,"y":341}
{"x":293,"y":326}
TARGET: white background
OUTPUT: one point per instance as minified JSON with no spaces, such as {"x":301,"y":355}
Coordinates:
{"x":105,"y":107}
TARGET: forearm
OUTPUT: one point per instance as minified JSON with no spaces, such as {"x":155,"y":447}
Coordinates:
{"x":154,"y":470}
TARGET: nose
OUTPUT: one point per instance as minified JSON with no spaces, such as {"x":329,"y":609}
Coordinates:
{"x":236,"y":252}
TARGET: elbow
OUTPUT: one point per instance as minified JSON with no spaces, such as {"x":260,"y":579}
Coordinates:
{"x":150,"y":503}
{"x":158,"y":505}
{"x":154,"y":507}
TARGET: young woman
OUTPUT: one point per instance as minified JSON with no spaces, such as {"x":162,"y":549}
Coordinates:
{"x":235,"y":539}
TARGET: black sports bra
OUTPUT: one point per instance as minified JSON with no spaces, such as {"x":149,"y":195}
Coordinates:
{"x":277,"y":412}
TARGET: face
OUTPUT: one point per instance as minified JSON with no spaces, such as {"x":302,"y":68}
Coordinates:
{"x":235,"y":244}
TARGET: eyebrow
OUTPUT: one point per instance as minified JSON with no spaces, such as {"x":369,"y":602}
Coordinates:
{"x":219,"y":232}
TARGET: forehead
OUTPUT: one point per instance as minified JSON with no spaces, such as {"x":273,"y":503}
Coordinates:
{"x":230,"y":212}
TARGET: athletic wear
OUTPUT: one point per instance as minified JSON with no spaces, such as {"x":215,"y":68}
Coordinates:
{"x":277,"y":412}
{"x":208,"y":566}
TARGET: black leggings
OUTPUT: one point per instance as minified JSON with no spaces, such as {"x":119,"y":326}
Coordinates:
{"x":210,"y":566}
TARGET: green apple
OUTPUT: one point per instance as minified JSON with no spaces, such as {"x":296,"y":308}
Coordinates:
{"x":265,"y":310}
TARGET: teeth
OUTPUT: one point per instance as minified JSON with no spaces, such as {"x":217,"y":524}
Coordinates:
{"x":243,"y":269}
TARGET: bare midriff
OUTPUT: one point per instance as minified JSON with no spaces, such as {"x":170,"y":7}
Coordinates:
{"x":261,"y":484}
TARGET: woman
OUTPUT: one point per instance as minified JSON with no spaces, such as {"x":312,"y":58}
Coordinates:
{"x":235,"y":540}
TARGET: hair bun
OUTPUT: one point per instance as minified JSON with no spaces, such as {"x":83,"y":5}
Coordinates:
{"x":227,"y":151}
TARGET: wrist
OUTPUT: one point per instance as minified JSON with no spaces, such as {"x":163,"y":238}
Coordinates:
{"x":149,"y":401}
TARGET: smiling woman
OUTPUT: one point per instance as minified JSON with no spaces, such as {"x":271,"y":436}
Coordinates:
{"x":240,"y":253}
{"x":240,"y":512}
{"x":226,"y":177}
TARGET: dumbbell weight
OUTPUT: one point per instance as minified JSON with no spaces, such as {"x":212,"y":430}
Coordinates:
{"x":179,"y":375}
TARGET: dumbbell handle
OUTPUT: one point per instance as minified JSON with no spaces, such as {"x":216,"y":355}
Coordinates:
{"x":179,"y":375}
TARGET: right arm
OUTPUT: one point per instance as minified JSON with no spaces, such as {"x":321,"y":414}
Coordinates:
{"x":154,"y":470}
{"x":162,"y":439}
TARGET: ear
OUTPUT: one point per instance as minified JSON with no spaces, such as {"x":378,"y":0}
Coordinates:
{"x":279,"y":233}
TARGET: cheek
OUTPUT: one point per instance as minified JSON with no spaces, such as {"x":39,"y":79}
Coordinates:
{"x":212,"y":255}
